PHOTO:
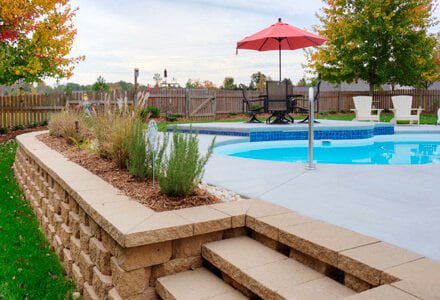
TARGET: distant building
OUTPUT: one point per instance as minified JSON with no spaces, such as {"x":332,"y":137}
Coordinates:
{"x":435,"y":86}
{"x":361,"y":86}
{"x":358,"y":86}
{"x":169,"y":84}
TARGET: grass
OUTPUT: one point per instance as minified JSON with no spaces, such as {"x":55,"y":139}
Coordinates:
{"x":28,"y":268}
{"x":385,"y":117}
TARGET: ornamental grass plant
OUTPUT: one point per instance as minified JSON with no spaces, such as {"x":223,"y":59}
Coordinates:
{"x":113,"y":133}
{"x":69,"y":125}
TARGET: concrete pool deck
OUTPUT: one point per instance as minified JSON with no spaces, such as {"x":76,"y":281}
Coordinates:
{"x":397,"y":204}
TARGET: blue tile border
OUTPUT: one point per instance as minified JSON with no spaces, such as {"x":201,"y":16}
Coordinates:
{"x":280,"y":135}
{"x":211,"y":132}
{"x":304,"y":135}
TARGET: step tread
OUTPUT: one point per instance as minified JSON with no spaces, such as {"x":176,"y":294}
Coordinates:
{"x":197,"y":284}
{"x":270,"y":274}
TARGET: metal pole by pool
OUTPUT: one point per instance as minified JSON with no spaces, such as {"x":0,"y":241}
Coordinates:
{"x":310,"y":163}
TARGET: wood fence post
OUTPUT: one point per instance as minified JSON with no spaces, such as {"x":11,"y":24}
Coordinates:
{"x":214,"y":109}
{"x":339,"y":100}
{"x":186,"y":103}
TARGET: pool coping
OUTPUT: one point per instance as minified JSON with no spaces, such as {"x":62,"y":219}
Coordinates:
{"x":140,"y":226}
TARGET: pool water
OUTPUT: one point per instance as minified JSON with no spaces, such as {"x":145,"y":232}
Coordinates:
{"x":376,"y":152}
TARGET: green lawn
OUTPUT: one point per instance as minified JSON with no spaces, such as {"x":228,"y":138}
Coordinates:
{"x":28,"y":268}
{"x":385,"y":117}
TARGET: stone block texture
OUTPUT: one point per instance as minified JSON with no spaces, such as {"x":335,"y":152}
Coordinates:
{"x":109,"y":257}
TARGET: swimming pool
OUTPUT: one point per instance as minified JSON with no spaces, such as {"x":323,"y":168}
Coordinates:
{"x":398,"y":149}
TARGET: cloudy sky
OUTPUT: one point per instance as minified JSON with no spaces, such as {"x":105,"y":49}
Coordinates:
{"x":190,"y":38}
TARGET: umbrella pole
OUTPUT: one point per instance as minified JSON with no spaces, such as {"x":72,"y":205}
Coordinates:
{"x":279,"y":57}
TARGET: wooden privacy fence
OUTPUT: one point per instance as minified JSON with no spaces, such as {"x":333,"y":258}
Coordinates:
{"x":28,"y":110}
{"x":192,"y":103}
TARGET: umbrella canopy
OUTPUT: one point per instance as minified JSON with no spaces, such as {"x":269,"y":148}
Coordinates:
{"x":280,"y":36}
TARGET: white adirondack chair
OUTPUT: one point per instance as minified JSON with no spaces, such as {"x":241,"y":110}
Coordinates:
{"x":403,"y":110}
{"x":438,"y":116}
{"x":364,"y":109}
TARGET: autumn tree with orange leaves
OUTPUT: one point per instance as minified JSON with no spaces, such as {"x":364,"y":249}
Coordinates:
{"x":379,"y":41}
{"x":36,"y":37}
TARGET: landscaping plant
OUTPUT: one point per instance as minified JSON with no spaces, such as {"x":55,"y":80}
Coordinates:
{"x":113,"y":133}
{"x":149,"y":112}
{"x":182,"y":167}
{"x":153,"y":111}
{"x":68,"y":125}
{"x":137,"y":163}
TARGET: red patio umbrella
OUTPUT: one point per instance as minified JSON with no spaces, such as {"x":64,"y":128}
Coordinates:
{"x":280,"y":36}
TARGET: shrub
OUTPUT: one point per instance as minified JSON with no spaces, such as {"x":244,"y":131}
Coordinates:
{"x":149,"y":112}
{"x":173,"y":117}
{"x":142,"y":155}
{"x":182,"y":168}
{"x":3,"y":130}
{"x":255,"y":106}
{"x":68,"y":125}
{"x":137,"y":157}
{"x":154,"y":111}
{"x":18,"y":127}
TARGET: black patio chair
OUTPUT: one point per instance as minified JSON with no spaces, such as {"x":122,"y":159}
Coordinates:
{"x":253,"y":107}
{"x":278,"y":102}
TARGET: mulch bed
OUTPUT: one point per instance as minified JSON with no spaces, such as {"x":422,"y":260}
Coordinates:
{"x":142,"y":191}
{"x":11,"y":135}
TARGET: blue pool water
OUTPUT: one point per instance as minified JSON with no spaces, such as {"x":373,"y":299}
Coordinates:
{"x":394,"y":150}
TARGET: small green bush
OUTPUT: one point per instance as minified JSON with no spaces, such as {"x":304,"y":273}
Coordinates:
{"x":142,"y":155}
{"x":182,"y":168}
{"x":3,"y":130}
{"x":154,"y":111}
{"x":256,"y":107}
{"x":18,"y":127}
{"x":149,"y":112}
{"x":173,"y":117}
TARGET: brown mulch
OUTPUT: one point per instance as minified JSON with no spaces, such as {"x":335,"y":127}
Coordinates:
{"x":11,"y":135}
{"x":142,"y":191}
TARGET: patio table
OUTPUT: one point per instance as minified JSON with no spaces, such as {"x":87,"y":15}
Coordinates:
{"x":280,"y":115}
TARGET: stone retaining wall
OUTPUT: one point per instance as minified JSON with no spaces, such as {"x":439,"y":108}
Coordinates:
{"x":110,"y":245}
{"x":115,"y":248}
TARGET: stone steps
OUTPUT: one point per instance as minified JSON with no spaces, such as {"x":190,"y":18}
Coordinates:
{"x":270,"y":274}
{"x":195,"y":285}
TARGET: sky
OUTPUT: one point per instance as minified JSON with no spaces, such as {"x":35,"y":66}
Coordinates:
{"x":190,"y":38}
